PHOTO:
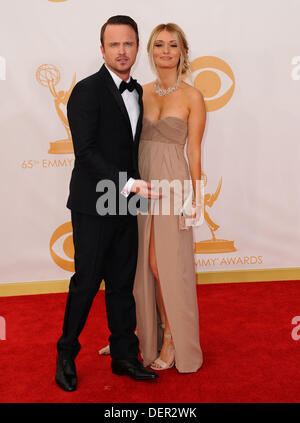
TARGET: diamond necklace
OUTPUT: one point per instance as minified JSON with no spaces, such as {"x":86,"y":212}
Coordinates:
{"x":162,"y":92}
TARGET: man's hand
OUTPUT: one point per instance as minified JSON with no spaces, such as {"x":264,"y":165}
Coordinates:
{"x":144,"y":189}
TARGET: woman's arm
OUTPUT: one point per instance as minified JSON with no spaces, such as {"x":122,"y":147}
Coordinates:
{"x":196,"y":126}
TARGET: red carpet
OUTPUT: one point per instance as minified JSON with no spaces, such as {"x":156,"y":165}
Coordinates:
{"x":245,"y":329}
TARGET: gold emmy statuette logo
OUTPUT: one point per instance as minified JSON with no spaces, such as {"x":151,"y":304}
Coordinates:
{"x":209,"y":82}
{"x":49,"y":76}
{"x":64,"y":231}
{"x":213,"y":245}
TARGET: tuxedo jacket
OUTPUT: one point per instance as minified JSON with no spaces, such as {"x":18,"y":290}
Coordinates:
{"x":102,"y":139}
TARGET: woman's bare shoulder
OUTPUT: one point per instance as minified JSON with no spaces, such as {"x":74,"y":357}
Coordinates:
{"x":194,"y":98}
{"x":193,"y":93}
{"x":147,"y":87}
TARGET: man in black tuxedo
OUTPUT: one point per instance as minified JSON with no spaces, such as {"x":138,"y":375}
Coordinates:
{"x":105,"y":115}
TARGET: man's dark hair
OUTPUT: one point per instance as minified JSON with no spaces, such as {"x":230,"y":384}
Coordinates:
{"x":120,"y":20}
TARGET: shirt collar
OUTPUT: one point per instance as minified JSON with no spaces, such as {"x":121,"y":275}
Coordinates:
{"x":115,"y":77}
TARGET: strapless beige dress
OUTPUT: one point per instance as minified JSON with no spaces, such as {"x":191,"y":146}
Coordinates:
{"x":161,"y":156}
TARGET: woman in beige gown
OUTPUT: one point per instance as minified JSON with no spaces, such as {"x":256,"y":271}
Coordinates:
{"x":165,"y":280}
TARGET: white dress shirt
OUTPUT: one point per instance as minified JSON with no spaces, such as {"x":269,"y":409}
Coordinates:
{"x":131,"y":100}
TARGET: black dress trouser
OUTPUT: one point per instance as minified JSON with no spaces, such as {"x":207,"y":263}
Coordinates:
{"x":105,"y":248}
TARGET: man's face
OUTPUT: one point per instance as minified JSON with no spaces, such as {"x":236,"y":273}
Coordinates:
{"x":120,"y":48}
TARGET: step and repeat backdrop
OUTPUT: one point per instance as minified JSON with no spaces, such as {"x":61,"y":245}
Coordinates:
{"x":245,"y":59}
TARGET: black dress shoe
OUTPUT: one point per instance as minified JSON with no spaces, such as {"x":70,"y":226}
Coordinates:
{"x":66,"y":374}
{"x":133,"y":368}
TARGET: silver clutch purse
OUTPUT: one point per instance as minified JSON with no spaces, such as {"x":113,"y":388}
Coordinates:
{"x":186,"y":221}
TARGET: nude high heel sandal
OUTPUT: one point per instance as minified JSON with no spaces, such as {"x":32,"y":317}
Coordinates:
{"x":162,"y":364}
{"x":104,"y":351}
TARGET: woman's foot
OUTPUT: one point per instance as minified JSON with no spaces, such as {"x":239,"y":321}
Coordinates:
{"x":105,"y":350}
{"x":166,"y":359}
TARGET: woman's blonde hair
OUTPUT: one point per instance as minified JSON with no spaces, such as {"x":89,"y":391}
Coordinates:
{"x":183,"y":66}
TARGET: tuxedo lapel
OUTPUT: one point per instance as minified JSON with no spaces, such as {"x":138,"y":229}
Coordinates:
{"x":115,"y":93}
{"x":140,"y":119}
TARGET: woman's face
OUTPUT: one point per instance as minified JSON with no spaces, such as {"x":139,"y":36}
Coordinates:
{"x":166,"y":51}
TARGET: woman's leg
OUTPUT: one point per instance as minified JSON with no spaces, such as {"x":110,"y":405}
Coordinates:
{"x":167,"y":350}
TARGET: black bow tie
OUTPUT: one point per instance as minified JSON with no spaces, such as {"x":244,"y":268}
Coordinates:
{"x":130,"y":86}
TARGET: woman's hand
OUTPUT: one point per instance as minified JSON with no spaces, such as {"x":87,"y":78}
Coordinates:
{"x":196,"y":211}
